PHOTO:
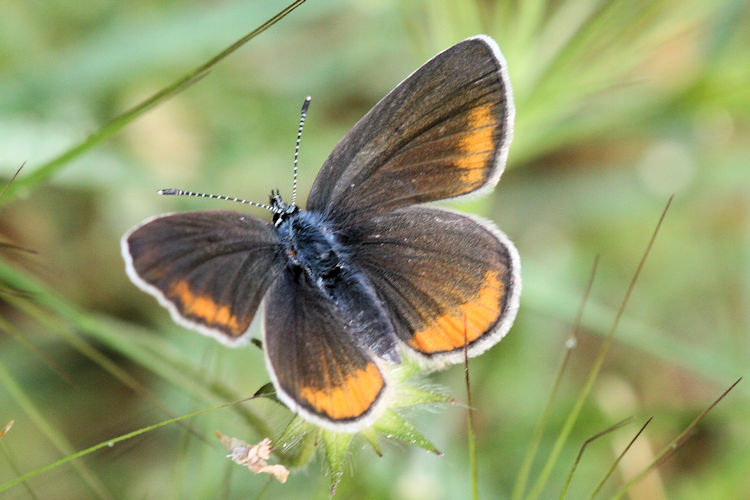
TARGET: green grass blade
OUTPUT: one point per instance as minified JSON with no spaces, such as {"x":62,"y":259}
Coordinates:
{"x":619,"y":458}
{"x":59,"y":441}
{"x":49,"y":168}
{"x":588,"y":441}
{"x":528,"y":460}
{"x":675,"y":444}
{"x":110,"y":442}
{"x":594,"y":372}
{"x":12,"y":462}
{"x":11,"y":330}
{"x":51,"y":308}
{"x":470,"y":437}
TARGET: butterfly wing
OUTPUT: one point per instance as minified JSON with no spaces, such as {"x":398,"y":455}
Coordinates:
{"x":443,"y":132}
{"x":316,"y":367}
{"x":211,"y":269}
{"x":445,"y":279}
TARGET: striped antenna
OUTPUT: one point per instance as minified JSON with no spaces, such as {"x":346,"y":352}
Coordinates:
{"x":305,"y":107}
{"x":180,"y":192}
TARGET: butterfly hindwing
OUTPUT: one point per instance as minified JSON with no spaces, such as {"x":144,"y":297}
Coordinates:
{"x":317,"y":368}
{"x":445,"y":279}
{"x":443,"y":132}
{"x":211,"y":269}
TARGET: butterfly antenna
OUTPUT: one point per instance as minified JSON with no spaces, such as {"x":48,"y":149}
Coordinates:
{"x":180,"y":192}
{"x":302,"y":117}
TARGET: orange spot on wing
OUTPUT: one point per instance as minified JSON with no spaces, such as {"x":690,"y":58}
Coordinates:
{"x":352,"y":399}
{"x":478,"y":146}
{"x":206,"y":309}
{"x":464,"y":323}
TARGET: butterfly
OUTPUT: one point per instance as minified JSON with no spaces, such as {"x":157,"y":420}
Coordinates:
{"x":366,"y":274}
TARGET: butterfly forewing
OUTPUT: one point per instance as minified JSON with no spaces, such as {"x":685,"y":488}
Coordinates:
{"x":443,"y":132}
{"x":210,"y":269}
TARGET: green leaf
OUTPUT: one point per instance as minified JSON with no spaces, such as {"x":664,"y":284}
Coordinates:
{"x":296,"y":445}
{"x":371,"y":437}
{"x":268,"y":391}
{"x":336,"y":444}
{"x":408,"y":395}
{"x":294,"y":432}
{"x":394,"y":426}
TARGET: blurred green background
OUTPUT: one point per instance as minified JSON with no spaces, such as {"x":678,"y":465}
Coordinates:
{"x":619,"y":105}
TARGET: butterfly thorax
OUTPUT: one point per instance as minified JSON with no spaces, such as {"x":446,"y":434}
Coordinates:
{"x":307,"y":241}
{"x":311,"y":244}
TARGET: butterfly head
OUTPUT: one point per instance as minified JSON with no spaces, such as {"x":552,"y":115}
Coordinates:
{"x":281,"y":210}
